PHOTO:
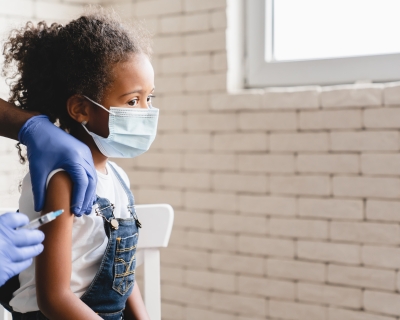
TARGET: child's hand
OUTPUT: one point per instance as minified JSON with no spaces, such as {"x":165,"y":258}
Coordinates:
{"x":17,"y":247}
{"x":51,"y":148}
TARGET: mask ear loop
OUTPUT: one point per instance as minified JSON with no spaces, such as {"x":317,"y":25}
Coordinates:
{"x":98,"y":104}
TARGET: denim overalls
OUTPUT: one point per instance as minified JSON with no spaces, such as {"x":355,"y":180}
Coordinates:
{"x":113,"y":282}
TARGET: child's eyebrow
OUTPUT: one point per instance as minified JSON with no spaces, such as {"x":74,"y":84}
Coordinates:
{"x":136,"y":91}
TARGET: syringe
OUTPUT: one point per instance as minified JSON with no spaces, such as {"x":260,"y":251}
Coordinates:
{"x":48,"y":217}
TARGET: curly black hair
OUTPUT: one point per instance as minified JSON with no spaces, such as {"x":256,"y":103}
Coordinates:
{"x":49,"y":64}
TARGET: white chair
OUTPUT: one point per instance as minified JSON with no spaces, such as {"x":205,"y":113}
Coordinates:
{"x":157,"y":221}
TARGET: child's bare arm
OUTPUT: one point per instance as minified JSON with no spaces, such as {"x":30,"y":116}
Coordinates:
{"x":53,"y":266}
{"x":135,"y":309}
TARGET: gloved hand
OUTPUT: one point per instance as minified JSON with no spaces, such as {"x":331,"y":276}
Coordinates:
{"x":51,"y":148}
{"x":17,"y":247}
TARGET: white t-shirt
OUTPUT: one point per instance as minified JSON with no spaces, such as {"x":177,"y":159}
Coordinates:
{"x":89,"y":240}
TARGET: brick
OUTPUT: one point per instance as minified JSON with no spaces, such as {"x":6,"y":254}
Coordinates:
{"x":330,"y":295}
{"x":144,"y":178}
{"x":382,"y":118}
{"x":240,"y":182}
{"x":299,"y":141}
{"x":239,"y":224}
{"x":343,"y":314}
{"x":240,"y":304}
{"x":361,"y":277}
{"x":329,"y":252}
{"x":159,"y":160}
{"x":391,"y":93}
{"x":184,"y":258}
{"x":327,"y":119}
{"x":268,"y":288}
{"x":172,"y":275}
{"x":158,"y":7}
{"x":382,"y":302}
{"x":24,"y":8}
{"x":171,"y":24}
{"x":205,"y":42}
{"x":211,"y":122}
{"x":173,"y":311}
{"x":384,"y":164}
{"x":267,"y":205}
{"x":170,"y":83}
{"x":238,"y":101}
{"x":266,"y":246}
{"x":383,"y":257}
{"x":194,"y":5}
{"x":200,"y":314}
{"x":299,"y":228}
{"x":365,"y":141}
{"x":268,"y":121}
{"x":296,"y":310}
{"x":170,"y":122}
{"x":196,"y":22}
{"x":327,"y":163}
{"x":300,"y":185}
{"x":210,"y":201}
{"x":366,"y":187}
{"x":219,"y":62}
{"x":291,"y":98}
{"x":205,"y":82}
{"x":189,"y":141}
{"x":151,"y":195}
{"x":178,"y":238}
{"x":268,"y":163}
{"x":296,"y":270}
{"x":240,"y":142}
{"x":383,"y":210}
{"x":214,"y":162}
{"x":331,"y":208}
{"x":168,"y":44}
{"x":186,"y":64}
{"x":365,"y":232}
{"x":192,"y":220}
{"x":186,"y":180}
{"x":187,"y":102}
{"x":357,"y":95}
{"x":52,"y":11}
{"x":183,"y":295}
{"x":210,"y":280}
{"x":237,"y":263}
{"x":206,"y":240}
{"x":219,"y":20}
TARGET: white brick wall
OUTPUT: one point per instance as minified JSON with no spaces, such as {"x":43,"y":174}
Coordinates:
{"x":287,"y":200}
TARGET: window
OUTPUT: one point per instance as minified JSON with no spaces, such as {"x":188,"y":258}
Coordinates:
{"x":306,"y":42}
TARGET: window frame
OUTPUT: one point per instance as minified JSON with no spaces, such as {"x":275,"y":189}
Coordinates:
{"x":259,"y":73}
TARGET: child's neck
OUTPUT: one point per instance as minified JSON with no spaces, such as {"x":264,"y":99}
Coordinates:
{"x":99,"y":159}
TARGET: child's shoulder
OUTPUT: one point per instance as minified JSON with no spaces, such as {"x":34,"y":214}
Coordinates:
{"x":121,"y":172}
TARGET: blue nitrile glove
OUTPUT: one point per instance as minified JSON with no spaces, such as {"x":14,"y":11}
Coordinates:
{"x":51,"y":148}
{"x":17,"y":247}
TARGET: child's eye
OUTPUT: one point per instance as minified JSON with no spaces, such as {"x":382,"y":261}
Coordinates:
{"x":150,"y":97}
{"x":133,"y":102}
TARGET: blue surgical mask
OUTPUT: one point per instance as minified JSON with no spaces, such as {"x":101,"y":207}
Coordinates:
{"x":132,"y":131}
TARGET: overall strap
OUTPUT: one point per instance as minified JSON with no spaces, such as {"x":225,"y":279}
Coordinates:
{"x":131,"y":199}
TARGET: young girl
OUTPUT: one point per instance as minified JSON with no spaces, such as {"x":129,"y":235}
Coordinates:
{"x":94,"y":77}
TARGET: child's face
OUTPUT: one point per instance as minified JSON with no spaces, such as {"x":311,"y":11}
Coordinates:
{"x":133,"y":87}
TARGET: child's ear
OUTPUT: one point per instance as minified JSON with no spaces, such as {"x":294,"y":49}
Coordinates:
{"x":78,"y":108}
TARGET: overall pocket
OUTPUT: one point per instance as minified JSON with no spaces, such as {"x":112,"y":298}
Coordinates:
{"x":125,"y":263}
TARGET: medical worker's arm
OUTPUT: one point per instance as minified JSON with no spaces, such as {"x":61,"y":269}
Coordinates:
{"x":50,"y":148}
{"x":135,"y":309}
{"x":17,"y":247}
{"x":53,"y":266}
